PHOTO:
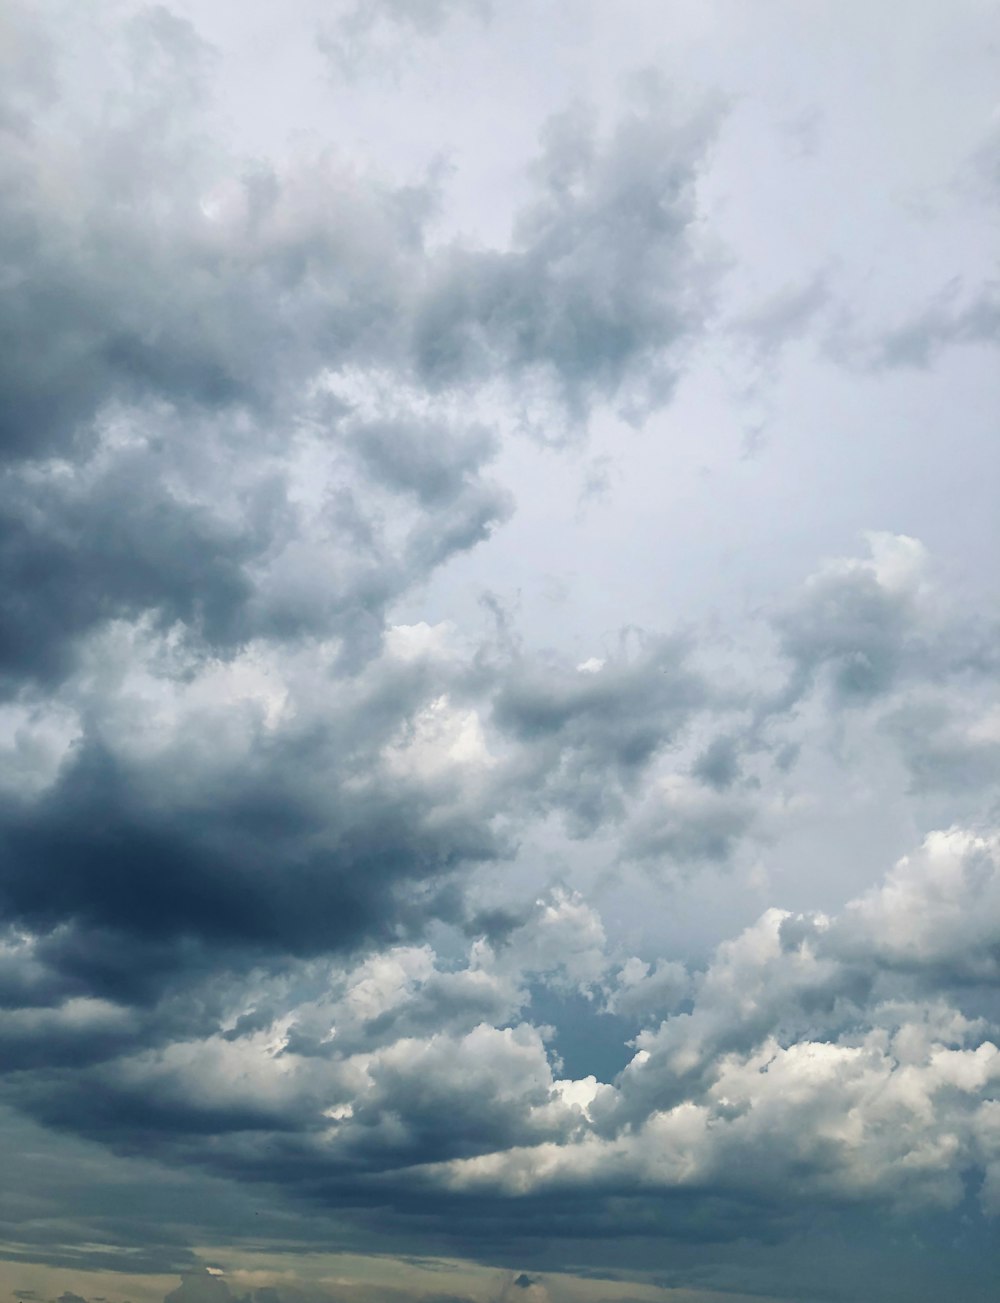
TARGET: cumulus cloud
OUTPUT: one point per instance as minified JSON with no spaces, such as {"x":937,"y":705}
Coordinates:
{"x":805,"y":1066}
{"x":222,"y":473}
{"x":857,"y":619}
{"x":305,"y":884}
{"x":814,"y":1061}
{"x":187,"y":334}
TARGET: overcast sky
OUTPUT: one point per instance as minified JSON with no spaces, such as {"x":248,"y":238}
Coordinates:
{"x":499,"y":651}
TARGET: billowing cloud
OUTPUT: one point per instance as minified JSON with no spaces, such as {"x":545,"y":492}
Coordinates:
{"x":348,"y":884}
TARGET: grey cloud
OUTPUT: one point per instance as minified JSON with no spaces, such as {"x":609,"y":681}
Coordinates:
{"x":954,"y":316}
{"x":604,"y":282}
{"x":719,"y":764}
{"x":199,"y":1287}
{"x":423,"y":16}
{"x":375,"y":33}
{"x":187,"y":403}
{"x":486,"y":1091}
{"x":590,"y":734}
{"x":685,"y":823}
{"x":429,"y":461}
{"x":75,"y":554}
{"x":250,"y":409}
{"x":178,"y":399}
{"x":866,"y":626}
{"x":784,"y":317}
{"x":804,"y":1013}
{"x":919,"y":341}
{"x":946,"y":746}
{"x":647,"y":993}
{"x":244,"y":284}
{"x":881,"y":638}
{"x":855,"y":620}
{"x":253,"y":280}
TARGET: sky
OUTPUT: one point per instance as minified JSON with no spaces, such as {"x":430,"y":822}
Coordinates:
{"x":499,"y":651}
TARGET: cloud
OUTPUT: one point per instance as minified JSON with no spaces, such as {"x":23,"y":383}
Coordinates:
{"x":938,"y":910}
{"x":318,"y":822}
{"x":685,"y":823}
{"x":222,"y":473}
{"x":605,"y":281}
{"x":802,"y":1069}
{"x":200,"y":1287}
{"x":239,"y":442}
{"x":262,"y":793}
{"x":372,"y":35}
{"x":173,"y":445}
{"x":784,"y":317}
{"x":591,"y":733}
{"x":942,"y":324}
{"x":815,"y":1061}
{"x":317,"y":897}
{"x":855,"y":619}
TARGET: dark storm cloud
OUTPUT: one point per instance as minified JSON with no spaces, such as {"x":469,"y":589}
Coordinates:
{"x":267,"y":855}
{"x":26,"y":981}
{"x":799,"y":1015}
{"x":72,"y":1034}
{"x":341,"y":820}
{"x":242,"y":419}
{"x":73,"y":555}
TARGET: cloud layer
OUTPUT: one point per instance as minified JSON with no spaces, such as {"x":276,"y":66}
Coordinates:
{"x":334,"y":876}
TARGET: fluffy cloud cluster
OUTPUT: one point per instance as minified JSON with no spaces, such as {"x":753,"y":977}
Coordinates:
{"x":814,"y":1060}
{"x":245,"y":412}
{"x":274,"y":894}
